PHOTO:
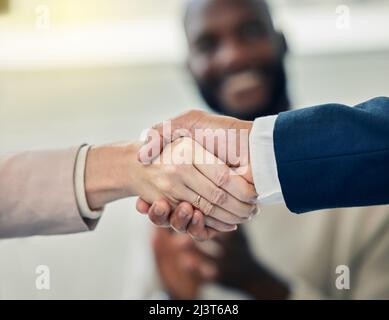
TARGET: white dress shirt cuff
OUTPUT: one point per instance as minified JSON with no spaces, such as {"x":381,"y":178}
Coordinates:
{"x":79,"y":180}
{"x":263,"y":161}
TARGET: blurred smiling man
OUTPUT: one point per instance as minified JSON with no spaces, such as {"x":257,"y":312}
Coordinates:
{"x":236,"y":57}
{"x":237,"y":60}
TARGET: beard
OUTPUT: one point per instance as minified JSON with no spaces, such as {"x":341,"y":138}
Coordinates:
{"x":278,"y":98}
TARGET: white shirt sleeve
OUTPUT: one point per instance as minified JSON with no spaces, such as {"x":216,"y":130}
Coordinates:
{"x":263,"y":161}
{"x":79,"y":182}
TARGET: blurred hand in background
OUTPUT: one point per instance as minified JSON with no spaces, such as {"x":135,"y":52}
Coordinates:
{"x":185,"y":266}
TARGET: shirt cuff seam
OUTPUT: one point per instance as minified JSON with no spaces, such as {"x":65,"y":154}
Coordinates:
{"x":79,"y":181}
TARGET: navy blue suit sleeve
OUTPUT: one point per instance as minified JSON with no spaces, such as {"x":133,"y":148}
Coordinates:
{"x":334,"y":156}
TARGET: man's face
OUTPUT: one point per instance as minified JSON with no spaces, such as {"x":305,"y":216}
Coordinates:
{"x":234,"y":55}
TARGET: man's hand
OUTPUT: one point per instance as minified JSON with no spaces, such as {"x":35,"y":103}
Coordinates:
{"x":226,"y":137}
{"x":183,"y":218}
{"x":250,"y":277}
{"x":176,"y":280}
{"x":227,"y":260}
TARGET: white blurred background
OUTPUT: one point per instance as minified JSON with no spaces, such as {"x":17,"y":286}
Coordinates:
{"x":100,"y":71}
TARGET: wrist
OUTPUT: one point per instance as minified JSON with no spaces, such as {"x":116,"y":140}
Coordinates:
{"x":109,"y":174}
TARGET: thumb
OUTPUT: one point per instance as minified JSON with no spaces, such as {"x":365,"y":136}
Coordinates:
{"x":166,"y":132}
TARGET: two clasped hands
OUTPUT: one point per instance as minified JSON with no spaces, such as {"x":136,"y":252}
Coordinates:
{"x":216,"y":191}
{"x":192,"y":173}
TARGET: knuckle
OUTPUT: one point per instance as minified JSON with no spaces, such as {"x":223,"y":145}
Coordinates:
{"x":223,"y":177}
{"x":194,"y":113}
{"x":209,"y":209}
{"x":249,"y":193}
{"x":219,"y":196}
{"x":186,"y":142}
{"x":166,"y":186}
{"x":157,"y":126}
{"x":179,"y":142}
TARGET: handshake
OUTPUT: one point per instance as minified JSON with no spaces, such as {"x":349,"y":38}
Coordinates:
{"x":192,"y":173}
{"x":204,"y":173}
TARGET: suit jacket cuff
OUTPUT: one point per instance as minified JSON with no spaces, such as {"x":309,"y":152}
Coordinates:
{"x":263,"y":161}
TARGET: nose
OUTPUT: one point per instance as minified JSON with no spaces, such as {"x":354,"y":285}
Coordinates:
{"x":232,"y":56}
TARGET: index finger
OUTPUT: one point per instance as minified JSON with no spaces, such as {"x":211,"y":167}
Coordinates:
{"x":224,"y":177}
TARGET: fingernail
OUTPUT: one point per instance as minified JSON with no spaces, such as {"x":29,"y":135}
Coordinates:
{"x":195,"y":220}
{"x":183,"y":214}
{"x":158,"y":211}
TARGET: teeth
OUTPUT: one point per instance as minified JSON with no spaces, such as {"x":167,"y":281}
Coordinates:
{"x":243,"y":81}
